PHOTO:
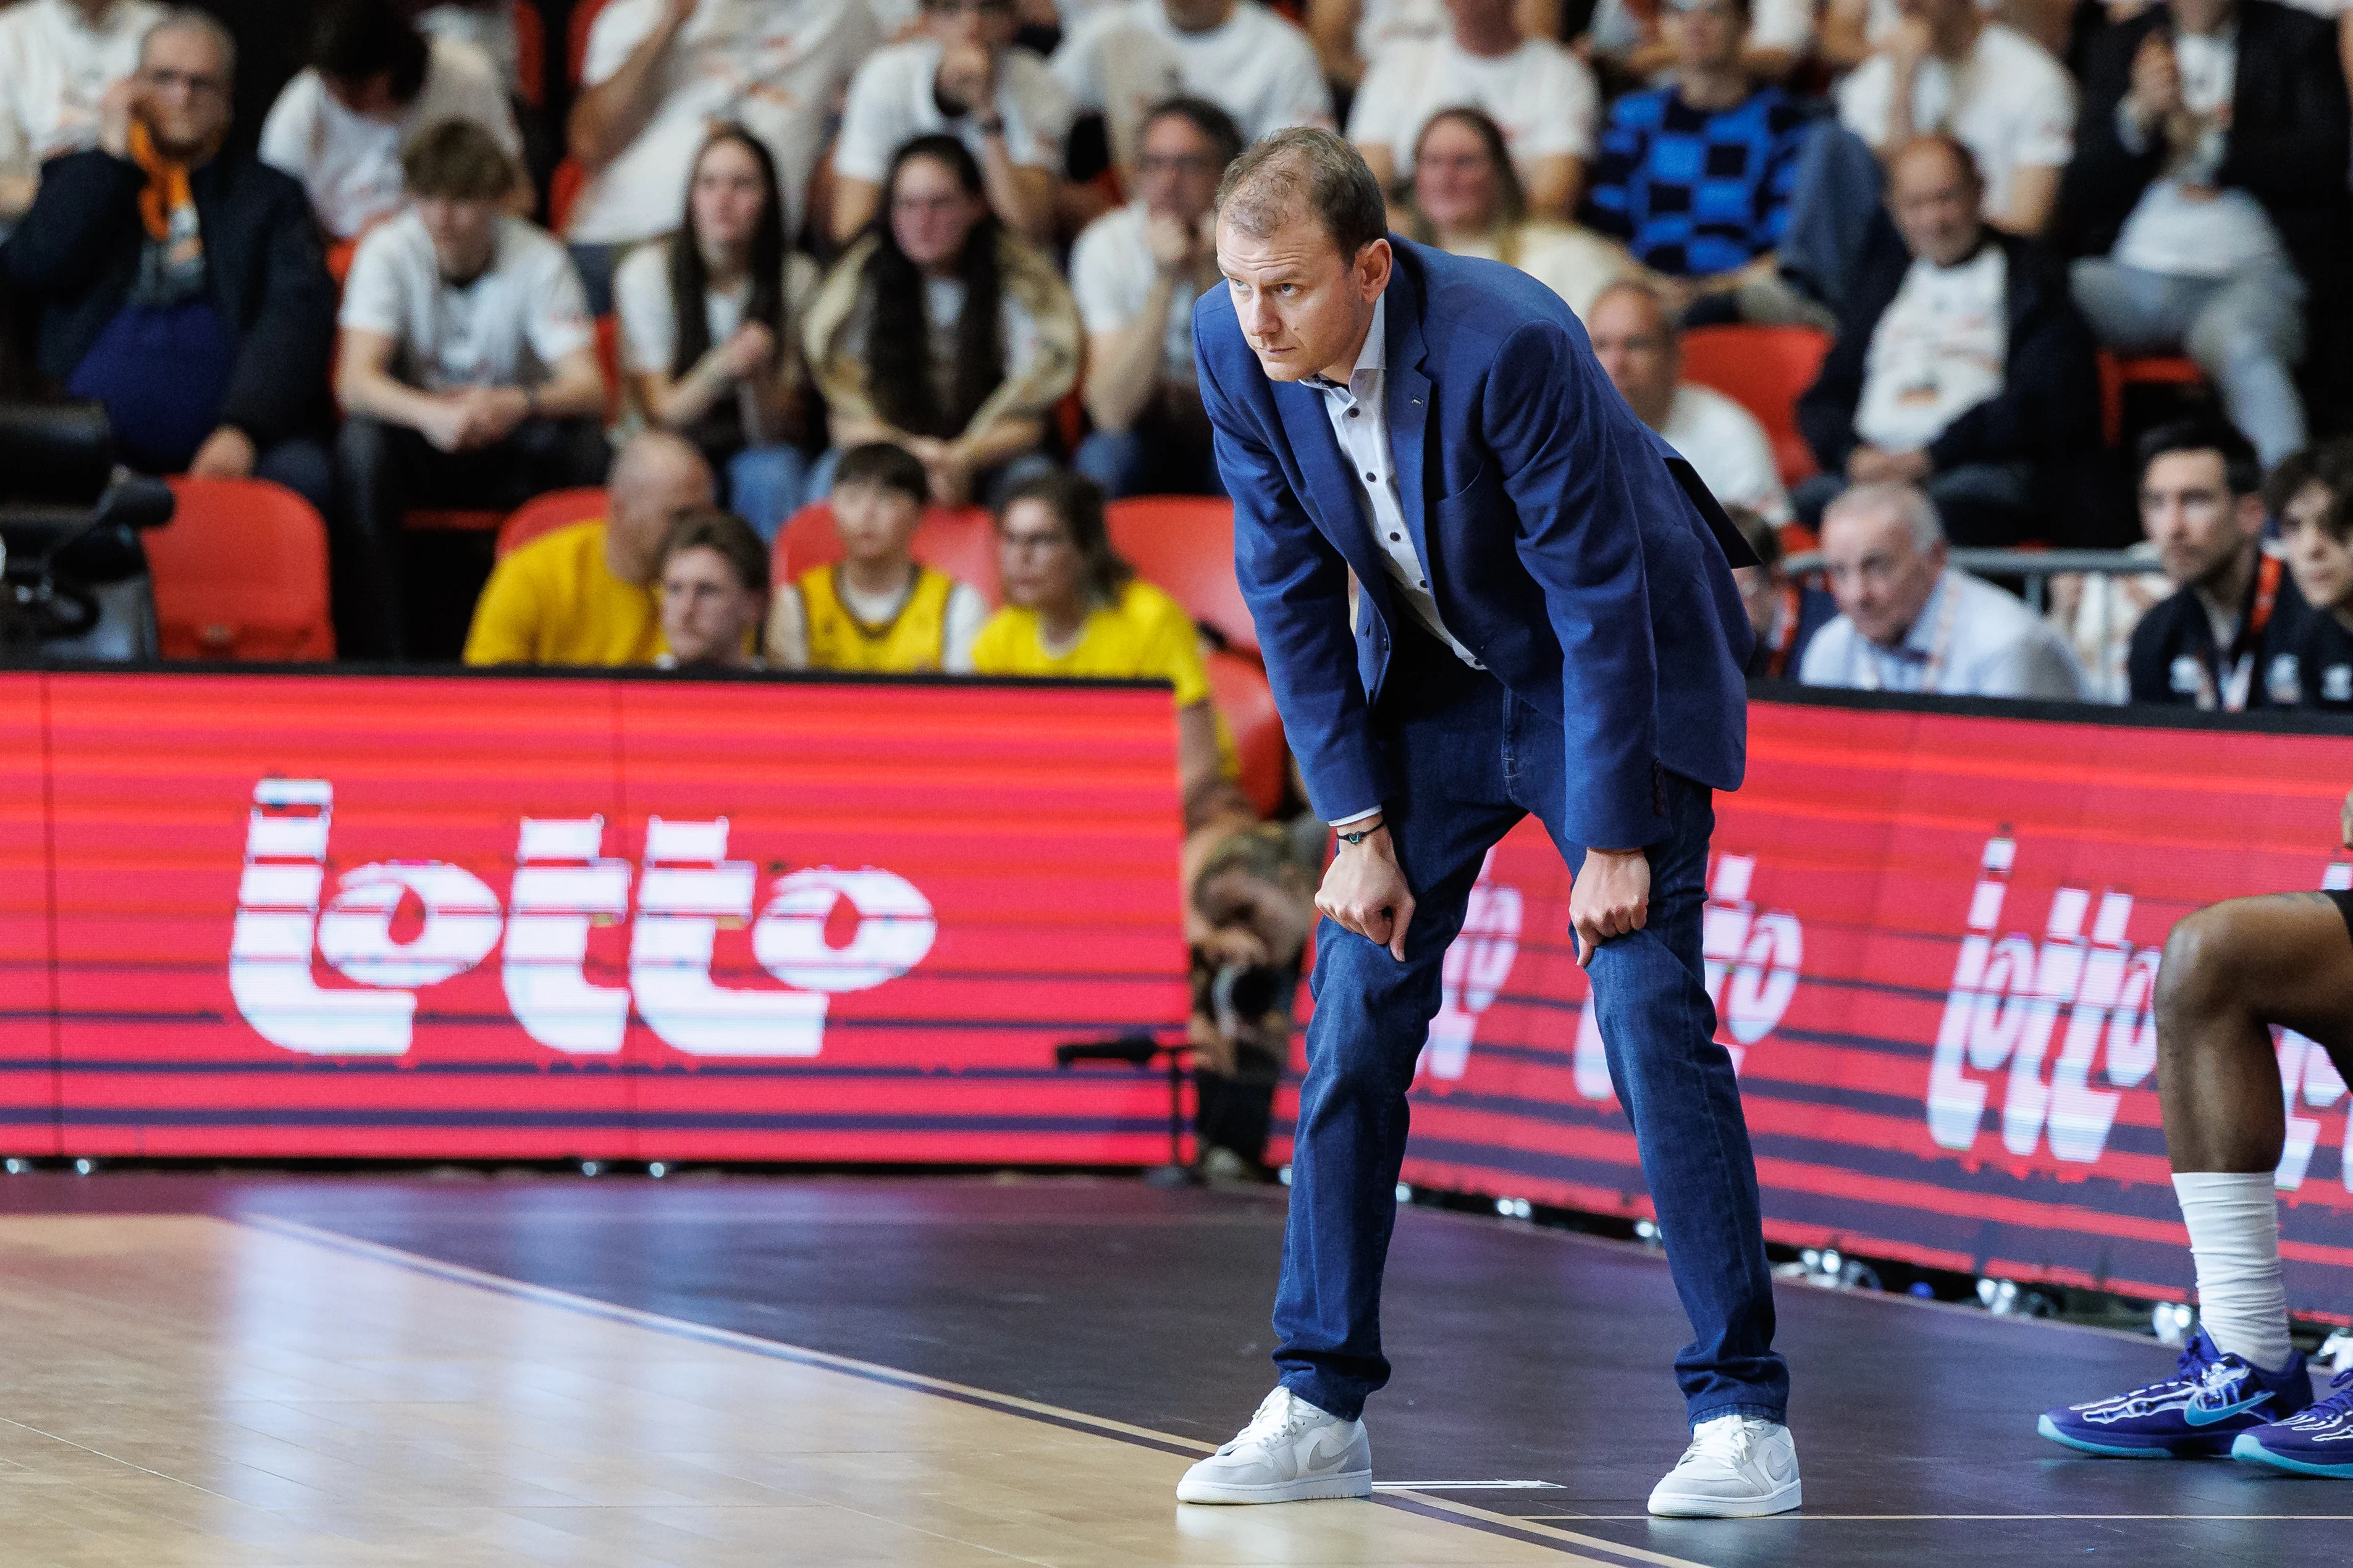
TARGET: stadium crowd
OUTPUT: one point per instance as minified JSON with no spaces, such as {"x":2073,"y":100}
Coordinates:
{"x":728,"y":259}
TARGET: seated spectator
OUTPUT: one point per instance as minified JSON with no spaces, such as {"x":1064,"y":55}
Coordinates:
{"x":1996,"y":91}
{"x":661,"y":73}
{"x":2202,"y":506}
{"x":1783,"y":612}
{"x":1636,"y":41}
{"x":586,"y":595}
{"x":1909,"y":622}
{"x":876,"y":609}
{"x":486,"y":24}
{"x":181,"y":286}
{"x":1349,"y":35}
{"x":2305,"y":484}
{"x":1960,"y":366}
{"x":1635,"y":341}
{"x":468,"y":371}
{"x":1136,"y":274}
{"x":1467,"y":200}
{"x":2097,"y":612}
{"x":1123,"y":57}
{"x":1695,"y":176}
{"x":710,"y":330}
{"x":58,"y":61}
{"x":1072,"y":608}
{"x":2311,"y":661}
{"x":1540,"y":94}
{"x":2211,"y":176}
{"x":964,"y":78}
{"x":714,"y":593}
{"x":374,"y":82}
{"x":944,"y":332}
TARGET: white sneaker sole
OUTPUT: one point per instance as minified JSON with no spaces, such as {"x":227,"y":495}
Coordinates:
{"x":1310,"y":1489}
{"x":1781,"y":1499}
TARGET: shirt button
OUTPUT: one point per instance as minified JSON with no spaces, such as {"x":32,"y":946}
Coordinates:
{"x":1352,"y":413}
{"x":1372,"y":478}
{"x":1425,"y":582}
{"x":1394,"y":537}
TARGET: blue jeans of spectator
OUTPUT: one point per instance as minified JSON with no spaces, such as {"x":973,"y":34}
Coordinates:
{"x":764,"y":486}
{"x":988,"y":486}
{"x":1834,"y":205}
{"x":2245,"y":330}
{"x":1469,"y":761}
{"x":596,"y":263}
{"x":1148,"y":461}
{"x":1983,"y":506}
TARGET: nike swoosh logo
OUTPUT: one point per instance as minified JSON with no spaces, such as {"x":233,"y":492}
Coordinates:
{"x":2197,"y":1417}
{"x":1318,"y":1460}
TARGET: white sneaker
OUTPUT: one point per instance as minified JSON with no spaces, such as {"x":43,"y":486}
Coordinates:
{"x":1737,"y":1468}
{"x":1290,"y":1452}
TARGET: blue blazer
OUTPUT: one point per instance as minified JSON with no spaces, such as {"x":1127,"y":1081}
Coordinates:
{"x":1568,"y":546}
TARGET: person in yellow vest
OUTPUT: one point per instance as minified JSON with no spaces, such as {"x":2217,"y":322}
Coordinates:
{"x":876,"y":609}
{"x":714,"y":593}
{"x":1074,"y":608}
{"x":586,"y":595}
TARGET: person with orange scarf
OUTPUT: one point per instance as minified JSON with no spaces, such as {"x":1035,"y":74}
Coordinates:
{"x":180,"y":287}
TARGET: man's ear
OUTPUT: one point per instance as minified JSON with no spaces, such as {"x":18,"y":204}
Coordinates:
{"x":1372,"y":266}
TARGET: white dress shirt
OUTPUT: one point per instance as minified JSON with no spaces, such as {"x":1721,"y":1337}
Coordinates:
{"x":1970,"y":639}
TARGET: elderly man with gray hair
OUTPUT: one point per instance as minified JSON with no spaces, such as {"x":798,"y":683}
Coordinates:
{"x":1909,"y":622}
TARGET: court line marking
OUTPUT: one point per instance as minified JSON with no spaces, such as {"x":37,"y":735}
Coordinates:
{"x":1801,"y":1517}
{"x":1468,"y":1487}
{"x":1527,"y":1531}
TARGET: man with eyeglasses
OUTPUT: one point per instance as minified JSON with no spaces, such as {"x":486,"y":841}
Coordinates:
{"x":1136,"y":272}
{"x":182,"y":288}
{"x":57,"y":59}
{"x":962,"y":77}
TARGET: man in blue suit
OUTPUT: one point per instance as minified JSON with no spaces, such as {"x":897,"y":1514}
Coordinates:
{"x":1544,"y":621}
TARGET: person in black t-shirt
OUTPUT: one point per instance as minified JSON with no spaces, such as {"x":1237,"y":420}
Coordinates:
{"x":2206,"y":647}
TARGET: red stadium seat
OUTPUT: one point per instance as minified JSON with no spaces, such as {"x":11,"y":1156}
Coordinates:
{"x":576,"y":52}
{"x":2148,"y":370}
{"x":1239,"y":687}
{"x":545,"y":514}
{"x":240,"y":573}
{"x":958,"y":540}
{"x":1763,"y":368}
{"x":452,"y":519}
{"x":1185,"y":545}
{"x":531,"y":53}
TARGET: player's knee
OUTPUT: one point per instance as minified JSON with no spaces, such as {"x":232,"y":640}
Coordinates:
{"x":2195,"y":980}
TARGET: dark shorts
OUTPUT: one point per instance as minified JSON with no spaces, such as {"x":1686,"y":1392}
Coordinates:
{"x":2344,"y":903}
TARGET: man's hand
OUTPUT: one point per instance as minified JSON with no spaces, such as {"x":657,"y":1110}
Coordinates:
{"x":227,"y":454}
{"x":1364,"y":891}
{"x":493,"y":412}
{"x":968,"y":75}
{"x":446,"y":429}
{"x":1171,"y":242}
{"x":1611,"y":896}
{"x":116,"y":107}
{"x":951,"y":474}
{"x":2155,"y":79}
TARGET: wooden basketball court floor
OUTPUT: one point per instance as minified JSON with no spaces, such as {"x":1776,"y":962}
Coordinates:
{"x":315,"y":1372}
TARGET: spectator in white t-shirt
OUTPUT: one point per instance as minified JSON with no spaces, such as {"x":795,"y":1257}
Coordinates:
{"x":467,"y":372}
{"x":487,"y":25}
{"x":964,"y":77}
{"x":57,"y":59}
{"x":2000,"y":93}
{"x":374,"y":82}
{"x":1124,"y":57}
{"x":661,"y":73}
{"x":710,"y":330}
{"x":1635,"y":340}
{"x":1466,"y":200}
{"x":1540,"y":95}
{"x":1350,"y":34}
{"x":1136,"y":273}
{"x":1781,"y":34}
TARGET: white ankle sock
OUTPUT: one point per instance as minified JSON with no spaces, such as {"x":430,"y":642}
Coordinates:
{"x":2233,"y":1219}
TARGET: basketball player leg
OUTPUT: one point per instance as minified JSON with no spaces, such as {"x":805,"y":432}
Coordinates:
{"x":2231,"y":973}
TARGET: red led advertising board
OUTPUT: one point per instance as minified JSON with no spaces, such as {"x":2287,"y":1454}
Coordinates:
{"x":450,"y":917}
{"x":1933,"y":940}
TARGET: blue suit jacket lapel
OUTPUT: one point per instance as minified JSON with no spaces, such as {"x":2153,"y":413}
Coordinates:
{"x":1330,"y":487}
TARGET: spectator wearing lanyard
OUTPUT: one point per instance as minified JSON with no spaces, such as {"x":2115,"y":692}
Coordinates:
{"x":1909,"y":622}
{"x":2200,"y":506}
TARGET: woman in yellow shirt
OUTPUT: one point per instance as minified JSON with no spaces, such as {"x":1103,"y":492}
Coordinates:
{"x":1074,"y":608}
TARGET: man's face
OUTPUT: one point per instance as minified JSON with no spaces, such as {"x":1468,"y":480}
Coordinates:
{"x":1706,"y":34}
{"x":1479,"y":16}
{"x":987,"y":24}
{"x":1631,"y":341}
{"x":184,"y":93}
{"x":642,"y":511}
{"x":875,"y":521}
{"x":1761,"y":589}
{"x":707,"y":613}
{"x":1303,"y":306}
{"x":2320,"y":561}
{"x":2188,"y":513}
{"x":461,"y":230}
{"x":1177,"y":171}
{"x":1935,"y":204}
{"x":1878,"y":575}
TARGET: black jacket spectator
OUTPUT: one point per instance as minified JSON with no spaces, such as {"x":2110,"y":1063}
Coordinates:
{"x":2174,"y":663}
{"x":2048,"y":407}
{"x":2289,"y":127}
{"x":78,"y":253}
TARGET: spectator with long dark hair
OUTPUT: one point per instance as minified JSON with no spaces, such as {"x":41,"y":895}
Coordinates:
{"x":707,"y":329}
{"x":1074,"y":608}
{"x":1466,"y":199}
{"x":944,"y":331}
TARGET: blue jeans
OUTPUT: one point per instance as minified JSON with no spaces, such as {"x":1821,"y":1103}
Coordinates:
{"x":1469,"y":761}
{"x":1139,"y":463}
{"x":764,"y":486}
{"x":2245,"y":330}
